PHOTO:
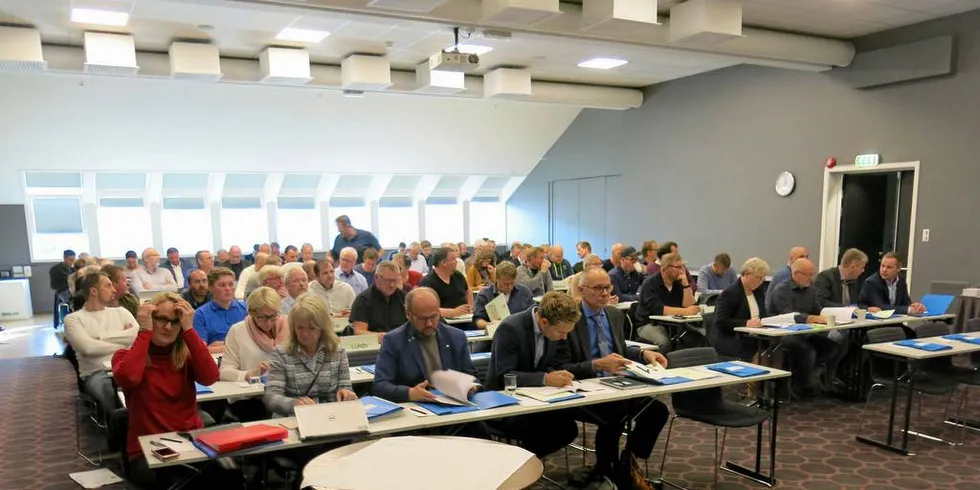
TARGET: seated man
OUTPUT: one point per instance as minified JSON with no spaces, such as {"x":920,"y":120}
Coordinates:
{"x":345,"y":270}
{"x":150,"y":277}
{"x":665,"y":293}
{"x":796,"y":296}
{"x":583,"y":249}
{"x":560,"y":269}
{"x":296,"y":286}
{"x":519,"y":298}
{"x":613,"y":260}
{"x":398,"y":374}
{"x":532,"y":275}
{"x":96,"y":332}
{"x":213,"y":319}
{"x":197,"y":292}
{"x":450,"y":286}
{"x":525,"y":345}
{"x":625,"y":280}
{"x":597,"y":347}
{"x":838,"y":286}
{"x":888,"y":290}
{"x":420,"y":263}
{"x":716,"y":276}
{"x":368,"y":267}
{"x":290,"y":255}
{"x":234,"y":261}
{"x":338,"y":295}
{"x":272,"y":276}
{"x":177,"y":266}
{"x":784,"y":273}
{"x":123,"y":298}
{"x":205,"y":262}
{"x":381,"y":308}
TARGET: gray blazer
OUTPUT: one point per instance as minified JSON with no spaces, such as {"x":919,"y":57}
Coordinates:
{"x":295,"y":375}
{"x":539,"y":283}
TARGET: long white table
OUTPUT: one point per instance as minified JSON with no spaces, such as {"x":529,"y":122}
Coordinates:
{"x":410,"y":419}
{"x":912,"y":357}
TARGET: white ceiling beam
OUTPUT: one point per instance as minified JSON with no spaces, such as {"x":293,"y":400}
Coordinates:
{"x":154,"y":187}
{"x":424,"y":188}
{"x":510,"y":187}
{"x":470,"y":187}
{"x":328,"y":183}
{"x":273,"y":183}
{"x":377,"y":187}
{"x":216,"y":186}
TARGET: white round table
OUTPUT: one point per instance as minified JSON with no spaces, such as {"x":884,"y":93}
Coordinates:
{"x":524,"y":477}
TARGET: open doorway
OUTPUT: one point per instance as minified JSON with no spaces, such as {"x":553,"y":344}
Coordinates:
{"x":871,"y":209}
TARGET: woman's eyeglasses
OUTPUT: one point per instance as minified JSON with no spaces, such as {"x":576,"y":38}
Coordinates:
{"x":159,"y":320}
{"x":266,"y":318}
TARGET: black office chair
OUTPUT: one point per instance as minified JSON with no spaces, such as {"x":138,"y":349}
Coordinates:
{"x":968,"y":376}
{"x":708,"y":299}
{"x":87,"y":407}
{"x":884,"y":370}
{"x":708,"y":406}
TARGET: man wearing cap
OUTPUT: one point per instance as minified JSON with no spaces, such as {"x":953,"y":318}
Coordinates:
{"x":625,"y":280}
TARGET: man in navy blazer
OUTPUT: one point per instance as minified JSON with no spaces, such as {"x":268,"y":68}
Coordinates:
{"x":597,"y":347}
{"x":177,"y":264}
{"x":519,"y":297}
{"x":525,"y":345}
{"x":888,"y":290}
{"x":412,"y":351}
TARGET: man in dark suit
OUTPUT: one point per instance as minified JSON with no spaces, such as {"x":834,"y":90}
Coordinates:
{"x":412,"y":351}
{"x":887,"y":290}
{"x":597,"y":347}
{"x":177,"y":266}
{"x":59,"y":281}
{"x":525,"y":345}
{"x":838,"y":286}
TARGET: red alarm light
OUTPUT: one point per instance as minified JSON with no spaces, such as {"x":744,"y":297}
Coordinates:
{"x":831,"y":162}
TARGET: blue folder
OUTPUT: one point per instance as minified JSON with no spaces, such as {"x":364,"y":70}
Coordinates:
{"x":962,"y":337}
{"x":736,"y":369}
{"x":474,"y":333}
{"x":211,"y":453}
{"x":571,"y":396}
{"x":479,"y":355}
{"x":927,"y":346}
{"x":440,"y":409}
{"x":379,"y":407}
{"x":487,"y":400}
{"x":672,"y":380}
{"x":799,"y":327}
{"x":367,"y":368}
{"x":937,"y":304}
{"x":201,"y":389}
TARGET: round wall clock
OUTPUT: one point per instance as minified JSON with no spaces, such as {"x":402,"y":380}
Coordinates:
{"x":785,"y":184}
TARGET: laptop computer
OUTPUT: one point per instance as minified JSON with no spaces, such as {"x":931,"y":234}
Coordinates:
{"x":331,"y":419}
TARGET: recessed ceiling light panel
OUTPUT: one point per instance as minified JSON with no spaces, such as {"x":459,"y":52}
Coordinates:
{"x":602,"y":63}
{"x":99,"y":17}
{"x":294,"y":34}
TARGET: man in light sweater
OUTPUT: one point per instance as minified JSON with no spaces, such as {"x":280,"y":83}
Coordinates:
{"x":532,"y":275}
{"x":95,"y":333}
{"x":338,"y":295}
{"x":151,"y":277}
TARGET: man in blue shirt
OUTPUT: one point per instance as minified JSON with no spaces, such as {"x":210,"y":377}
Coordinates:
{"x":716,"y":276}
{"x":519,"y":297}
{"x":213,"y":319}
{"x":348,"y":236}
{"x":346,"y":273}
{"x":784,"y":274}
{"x":625,"y":280}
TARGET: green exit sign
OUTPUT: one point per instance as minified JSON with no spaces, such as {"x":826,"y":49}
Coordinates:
{"x":867,"y":160}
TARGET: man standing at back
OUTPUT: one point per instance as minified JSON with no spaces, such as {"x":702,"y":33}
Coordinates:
{"x":532,"y":276}
{"x":784,"y":274}
{"x":58,"y":276}
{"x":348,"y":236}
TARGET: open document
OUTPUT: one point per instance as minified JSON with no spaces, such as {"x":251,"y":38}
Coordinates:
{"x":779,"y":321}
{"x":549,"y":394}
{"x":497,"y":308}
{"x":454,"y":386}
{"x":883,"y":314}
{"x":842,"y":315}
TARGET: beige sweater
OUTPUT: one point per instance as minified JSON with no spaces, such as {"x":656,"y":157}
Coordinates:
{"x":97,"y":335}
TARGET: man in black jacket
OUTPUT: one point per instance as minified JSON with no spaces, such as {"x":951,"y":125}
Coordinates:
{"x":888,"y":290}
{"x":838,"y":286}
{"x":59,"y":281}
{"x":525,"y":345}
{"x":597,"y":347}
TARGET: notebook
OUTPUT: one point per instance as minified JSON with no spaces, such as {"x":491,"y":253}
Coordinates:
{"x":549,"y":394}
{"x":488,"y":400}
{"x":926,"y":346}
{"x":653,"y":373}
{"x":201,"y":389}
{"x":736,"y":369}
{"x":368,"y":368}
{"x":375,"y":407}
{"x":623,"y":383}
{"x":962,"y":337}
{"x":331,"y":419}
{"x":475,"y":333}
{"x":238,"y":438}
{"x":936,"y":304}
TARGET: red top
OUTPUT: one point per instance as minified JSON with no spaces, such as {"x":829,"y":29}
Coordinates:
{"x":159,"y":398}
{"x":414,"y":277}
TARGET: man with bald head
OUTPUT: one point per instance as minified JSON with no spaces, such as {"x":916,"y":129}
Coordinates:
{"x":197,"y":292}
{"x":611,"y":263}
{"x":153,"y":278}
{"x":234,"y":262}
{"x":797,"y":295}
{"x":561,"y":268}
{"x":783,"y":274}
{"x":399,"y":375}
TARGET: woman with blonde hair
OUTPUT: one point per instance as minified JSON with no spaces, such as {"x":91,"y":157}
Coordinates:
{"x":481,"y":272}
{"x":310,"y":367}
{"x":157,"y":375}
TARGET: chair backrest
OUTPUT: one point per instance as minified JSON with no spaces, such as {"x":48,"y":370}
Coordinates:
{"x":708,"y":321}
{"x":883,"y":369}
{"x":709,"y":299}
{"x":698,"y":399}
{"x":930,"y":329}
{"x":973,"y":325}
{"x":482,"y":365}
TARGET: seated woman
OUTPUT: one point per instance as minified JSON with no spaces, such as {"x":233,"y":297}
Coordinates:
{"x":481,"y":272}
{"x":249,"y":344}
{"x":157,"y":375}
{"x":743,"y":304}
{"x":310,"y":367}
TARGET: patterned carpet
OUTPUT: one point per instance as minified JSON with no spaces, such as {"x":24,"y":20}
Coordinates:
{"x":816,"y":443}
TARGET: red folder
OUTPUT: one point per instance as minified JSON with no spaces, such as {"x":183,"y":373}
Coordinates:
{"x":226,"y":441}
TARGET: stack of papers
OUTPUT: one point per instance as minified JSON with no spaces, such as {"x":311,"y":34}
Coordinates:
{"x":475,"y":333}
{"x":551,"y":394}
{"x":497,"y":309}
{"x":779,"y":321}
{"x":842,"y":315}
{"x":453,"y":386}
{"x":658,"y":375}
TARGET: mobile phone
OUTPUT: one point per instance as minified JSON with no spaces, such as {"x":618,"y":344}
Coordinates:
{"x":165,"y":453}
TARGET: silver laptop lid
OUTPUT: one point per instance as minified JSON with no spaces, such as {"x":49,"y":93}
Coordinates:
{"x":331,"y":419}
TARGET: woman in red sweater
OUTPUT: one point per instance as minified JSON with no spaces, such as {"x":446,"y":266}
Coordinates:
{"x":157,"y":375}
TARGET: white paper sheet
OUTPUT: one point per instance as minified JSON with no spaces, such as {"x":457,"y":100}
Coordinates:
{"x":184,"y":446}
{"x":454,"y":384}
{"x":692,"y":373}
{"x":784,"y":320}
{"x":95,"y":478}
{"x":841,"y":315}
{"x":462,"y":463}
{"x":497,"y":308}
{"x":883,"y":314}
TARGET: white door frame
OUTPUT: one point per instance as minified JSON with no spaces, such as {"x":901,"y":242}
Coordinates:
{"x":833,"y":187}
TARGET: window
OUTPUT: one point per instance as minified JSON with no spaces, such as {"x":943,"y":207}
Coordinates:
{"x":186,"y":224}
{"x":354,"y":208}
{"x":443,"y":220}
{"x":57,"y":225}
{"x":488,"y":219}
{"x":244,"y":222}
{"x":124,"y":224}
{"x":398,"y":221}
{"x":298,"y":222}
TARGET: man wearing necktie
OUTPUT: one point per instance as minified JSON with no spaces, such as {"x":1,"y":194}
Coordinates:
{"x":838,"y":286}
{"x":597,"y":347}
{"x":525,"y":345}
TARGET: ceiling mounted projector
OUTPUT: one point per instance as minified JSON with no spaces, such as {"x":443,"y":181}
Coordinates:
{"x":453,"y":61}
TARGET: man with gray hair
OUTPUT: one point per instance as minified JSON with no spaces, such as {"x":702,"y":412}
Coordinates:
{"x":381,"y":308}
{"x":533,"y":275}
{"x":839,"y":286}
{"x":667,"y":293}
{"x":297,"y":284}
{"x":151,"y":277}
{"x":518,"y":296}
{"x":345,"y":271}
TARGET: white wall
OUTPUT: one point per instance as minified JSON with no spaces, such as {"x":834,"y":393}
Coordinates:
{"x":69,"y":122}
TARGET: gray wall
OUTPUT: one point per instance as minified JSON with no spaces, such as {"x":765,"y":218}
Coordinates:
{"x":15,"y":250}
{"x":700,"y":158}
